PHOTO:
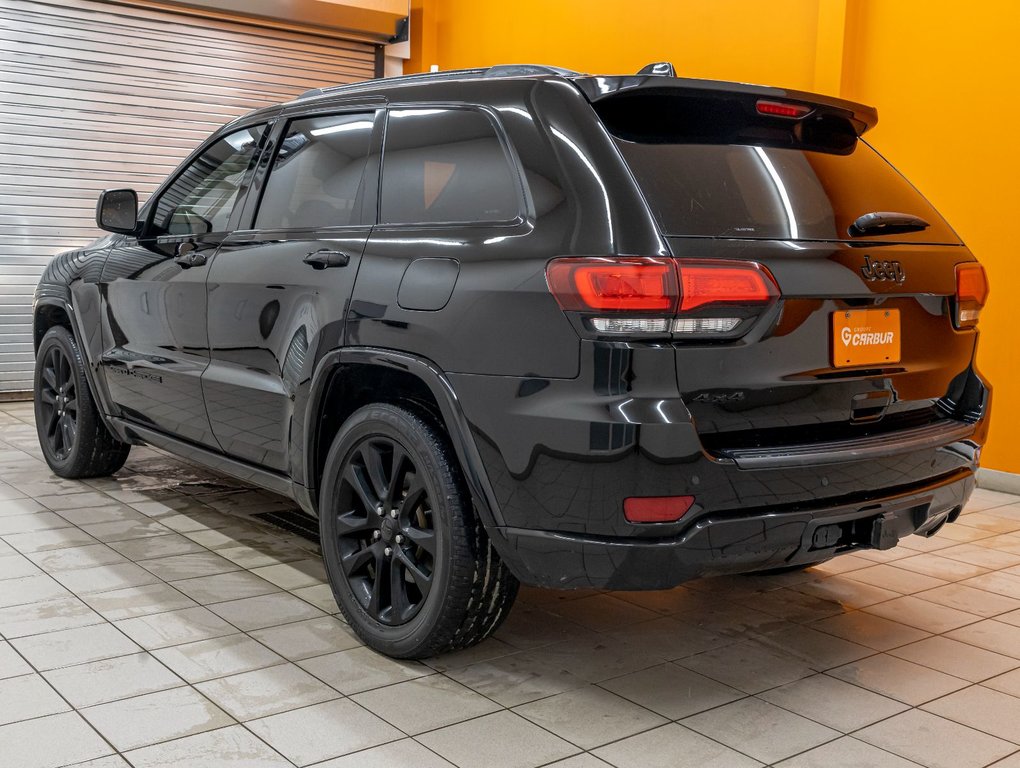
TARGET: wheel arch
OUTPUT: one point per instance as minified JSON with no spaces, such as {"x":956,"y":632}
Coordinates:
{"x":49,"y":313}
{"x":349,"y":378}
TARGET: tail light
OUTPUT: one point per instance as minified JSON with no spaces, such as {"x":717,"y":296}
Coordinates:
{"x":971,"y":294}
{"x":722,"y":282}
{"x":614,"y":285}
{"x":659,"y":296}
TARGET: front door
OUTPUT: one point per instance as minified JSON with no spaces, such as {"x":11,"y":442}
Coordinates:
{"x":154,"y":330}
{"x":278,"y":292}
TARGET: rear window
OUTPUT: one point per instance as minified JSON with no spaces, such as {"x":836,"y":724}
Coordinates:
{"x":755,"y":191}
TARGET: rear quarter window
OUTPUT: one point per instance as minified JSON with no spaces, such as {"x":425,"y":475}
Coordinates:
{"x":445,"y":165}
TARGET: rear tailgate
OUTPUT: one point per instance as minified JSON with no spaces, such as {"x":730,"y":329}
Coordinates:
{"x":780,"y":384}
{"x":726,"y":182}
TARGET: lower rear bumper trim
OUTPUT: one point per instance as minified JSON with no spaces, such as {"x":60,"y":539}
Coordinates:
{"x":839,"y":452}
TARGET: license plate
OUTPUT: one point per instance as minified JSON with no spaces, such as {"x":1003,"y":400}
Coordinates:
{"x":865,"y":337}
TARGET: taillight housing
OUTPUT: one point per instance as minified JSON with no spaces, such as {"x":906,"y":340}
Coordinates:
{"x":971,"y":294}
{"x":656,"y":296}
{"x":614,"y":285}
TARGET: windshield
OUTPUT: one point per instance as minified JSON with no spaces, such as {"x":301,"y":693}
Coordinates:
{"x":736,"y":190}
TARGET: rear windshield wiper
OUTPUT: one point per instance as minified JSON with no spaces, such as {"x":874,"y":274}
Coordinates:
{"x":886,"y":223}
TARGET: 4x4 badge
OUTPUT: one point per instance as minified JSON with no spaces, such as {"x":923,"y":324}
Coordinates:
{"x":883,"y":270}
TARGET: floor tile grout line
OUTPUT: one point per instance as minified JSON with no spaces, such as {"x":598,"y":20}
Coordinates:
{"x":65,"y":700}
{"x":156,"y":659}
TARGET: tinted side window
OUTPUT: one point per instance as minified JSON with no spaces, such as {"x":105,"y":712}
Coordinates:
{"x":318,"y":176}
{"x":203,"y":196}
{"x":445,"y":165}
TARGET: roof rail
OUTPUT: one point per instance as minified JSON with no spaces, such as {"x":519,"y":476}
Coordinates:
{"x":524,"y":70}
{"x":500,"y":70}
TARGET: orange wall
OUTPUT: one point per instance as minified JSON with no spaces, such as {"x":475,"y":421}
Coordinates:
{"x":926,"y":64}
{"x":947,"y":97}
{"x":729,"y":39}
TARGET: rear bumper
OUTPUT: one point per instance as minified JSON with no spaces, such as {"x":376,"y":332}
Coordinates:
{"x":561,"y":456}
{"x":737,"y":541}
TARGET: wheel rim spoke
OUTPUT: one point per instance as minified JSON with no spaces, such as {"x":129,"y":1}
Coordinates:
{"x":372,"y":460}
{"x":66,"y":431}
{"x":422,"y":537}
{"x":415,"y":495}
{"x":358,"y":480}
{"x":50,"y":376}
{"x":398,"y":470}
{"x":65,"y":370}
{"x":376,"y":603}
{"x":351,"y":523}
{"x":357,"y":560}
{"x":421,"y":579}
{"x":400,"y":602}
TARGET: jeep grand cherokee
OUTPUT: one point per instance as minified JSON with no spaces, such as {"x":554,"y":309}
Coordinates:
{"x":523,"y":324}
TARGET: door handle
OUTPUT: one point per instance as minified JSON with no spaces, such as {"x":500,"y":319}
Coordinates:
{"x":326,"y":258}
{"x":188,"y":256}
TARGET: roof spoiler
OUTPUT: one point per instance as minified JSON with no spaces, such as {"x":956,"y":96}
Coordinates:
{"x":601,"y":89}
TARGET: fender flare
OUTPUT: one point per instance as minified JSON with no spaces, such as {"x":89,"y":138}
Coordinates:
{"x":456,"y":423}
{"x":99,"y":393}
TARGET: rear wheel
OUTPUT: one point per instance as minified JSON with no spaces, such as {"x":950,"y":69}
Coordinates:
{"x":74,"y":440}
{"x":411,"y":566}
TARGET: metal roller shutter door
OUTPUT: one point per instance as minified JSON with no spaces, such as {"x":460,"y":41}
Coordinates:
{"x":95,"y":95}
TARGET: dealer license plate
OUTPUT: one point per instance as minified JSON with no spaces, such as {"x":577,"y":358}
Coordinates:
{"x":865,"y":337}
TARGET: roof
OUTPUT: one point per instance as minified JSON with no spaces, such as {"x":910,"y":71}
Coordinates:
{"x":658,"y":76}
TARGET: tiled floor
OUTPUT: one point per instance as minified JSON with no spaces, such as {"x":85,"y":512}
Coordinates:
{"x":150,"y":620}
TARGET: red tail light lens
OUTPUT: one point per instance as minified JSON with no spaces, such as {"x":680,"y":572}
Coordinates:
{"x":656,"y":296}
{"x":971,"y":294}
{"x":656,"y":509}
{"x":725,"y":282}
{"x":614,"y":285}
{"x":782,"y":109}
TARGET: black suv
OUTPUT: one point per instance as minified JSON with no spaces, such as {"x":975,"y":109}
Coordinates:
{"x":519,"y":323}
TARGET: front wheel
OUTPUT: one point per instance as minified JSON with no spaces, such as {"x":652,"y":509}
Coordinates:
{"x":74,"y":440}
{"x":410,"y":564}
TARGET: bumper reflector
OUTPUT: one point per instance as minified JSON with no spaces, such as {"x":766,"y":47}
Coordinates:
{"x":656,"y":509}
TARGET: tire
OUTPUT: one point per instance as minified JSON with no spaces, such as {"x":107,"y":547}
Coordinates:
{"x":74,"y":440}
{"x":427,"y":602}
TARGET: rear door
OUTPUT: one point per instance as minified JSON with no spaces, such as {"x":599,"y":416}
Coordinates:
{"x":154,"y":336}
{"x":279,"y":289}
{"x":863,"y":339}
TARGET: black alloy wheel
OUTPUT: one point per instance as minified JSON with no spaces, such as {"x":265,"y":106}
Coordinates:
{"x":74,"y":439}
{"x":411,"y":566}
{"x":386,"y":530}
{"x":58,"y":403}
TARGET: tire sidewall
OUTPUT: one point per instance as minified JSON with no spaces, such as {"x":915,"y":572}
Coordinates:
{"x":413,"y":435}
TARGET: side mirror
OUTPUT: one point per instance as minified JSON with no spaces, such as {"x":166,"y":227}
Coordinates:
{"x":117,"y":211}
